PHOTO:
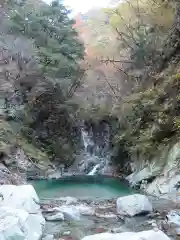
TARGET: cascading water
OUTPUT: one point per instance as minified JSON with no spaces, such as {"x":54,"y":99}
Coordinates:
{"x":96,"y":153}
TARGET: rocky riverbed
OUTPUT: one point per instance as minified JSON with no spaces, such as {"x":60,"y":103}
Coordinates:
{"x":73,"y":219}
{"x":134,"y":217}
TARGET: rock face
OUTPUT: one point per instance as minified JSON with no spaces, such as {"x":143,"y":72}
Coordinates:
{"x":161,"y":176}
{"x":133,"y":205}
{"x":8,"y":177}
{"x":168,"y":181}
{"x":20,"y":215}
{"x":145,"y":235}
{"x":145,"y":174}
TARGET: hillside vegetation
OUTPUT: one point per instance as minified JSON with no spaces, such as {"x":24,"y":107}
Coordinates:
{"x":39,"y":57}
{"x":134,"y":55}
{"x":127,"y":74}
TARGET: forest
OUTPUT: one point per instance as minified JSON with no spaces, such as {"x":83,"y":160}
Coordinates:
{"x":90,"y":120}
{"x":118,"y":64}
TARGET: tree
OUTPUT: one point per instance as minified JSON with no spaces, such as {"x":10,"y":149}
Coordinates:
{"x":57,"y":42}
{"x":50,"y":83}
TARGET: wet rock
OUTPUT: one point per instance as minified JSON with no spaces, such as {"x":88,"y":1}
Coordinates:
{"x":174,"y":218}
{"x":56,"y":217}
{"x":133,"y":205}
{"x":154,"y":215}
{"x":49,"y":209}
{"x":178,"y":231}
{"x":101,"y":230}
{"x":69,"y":200}
{"x":163,"y":225}
{"x":120,"y":229}
{"x":106,"y":215}
{"x":85,"y":210}
{"x":70,"y":212}
{"x":145,"y":235}
{"x":67,"y":233}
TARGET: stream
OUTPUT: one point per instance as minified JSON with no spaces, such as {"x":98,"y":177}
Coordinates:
{"x":94,"y":197}
{"x":82,"y":204}
{"x":89,"y":206}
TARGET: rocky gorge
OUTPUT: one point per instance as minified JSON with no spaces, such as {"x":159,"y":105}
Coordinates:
{"x":134,"y":216}
{"x":83,"y":157}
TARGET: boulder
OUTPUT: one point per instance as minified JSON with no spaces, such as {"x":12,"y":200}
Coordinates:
{"x":20,"y":215}
{"x":145,"y":235}
{"x":20,"y":197}
{"x":133,"y":205}
{"x":19,"y":224}
{"x":11,"y":223}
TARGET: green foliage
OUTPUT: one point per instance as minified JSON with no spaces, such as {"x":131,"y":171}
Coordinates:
{"x":141,"y":28}
{"x":53,"y":76}
{"x":56,"y":40}
{"x":10,"y":139}
{"x":150,"y":118}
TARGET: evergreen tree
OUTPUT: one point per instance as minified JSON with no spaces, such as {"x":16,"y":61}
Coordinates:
{"x":48,"y":120}
{"x":59,"y":48}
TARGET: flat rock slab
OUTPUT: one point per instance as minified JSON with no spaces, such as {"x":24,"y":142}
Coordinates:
{"x":145,"y":235}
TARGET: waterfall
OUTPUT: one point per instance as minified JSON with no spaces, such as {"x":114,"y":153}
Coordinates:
{"x":96,"y":153}
{"x":94,"y":170}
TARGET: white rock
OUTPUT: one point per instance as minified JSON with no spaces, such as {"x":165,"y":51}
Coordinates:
{"x":165,"y":184}
{"x":145,"y":235}
{"x":174,"y":217}
{"x":49,"y":237}
{"x":107,"y":215}
{"x":56,"y":217}
{"x":74,"y":212}
{"x":36,"y":223}
{"x":133,"y":204}
{"x":11,"y":223}
{"x":20,"y":215}
{"x":20,"y":197}
{"x":19,"y":223}
{"x":85,"y":210}
{"x":146,"y":173}
{"x":70,"y":212}
{"x":67,"y":233}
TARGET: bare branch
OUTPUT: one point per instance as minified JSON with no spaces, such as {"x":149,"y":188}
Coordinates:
{"x":121,"y":34}
{"x":115,"y":61}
